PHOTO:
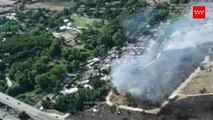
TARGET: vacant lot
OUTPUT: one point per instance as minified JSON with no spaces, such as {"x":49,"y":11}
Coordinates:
{"x":203,"y":81}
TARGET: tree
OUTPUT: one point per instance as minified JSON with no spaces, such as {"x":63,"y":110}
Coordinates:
{"x":105,"y":39}
{"x":14,"y":91}
{"x":55,"y":49}
{"x":119,"y":37}
{"x":66,"y":11}
{"x":23,"y":115}
{"x":36,"y":15}
{"x":26,"y":82}
{"x":46,"y":81}
{"x":42,"y":81}
{"x":67,"y":54}
{"x":57,"y":70}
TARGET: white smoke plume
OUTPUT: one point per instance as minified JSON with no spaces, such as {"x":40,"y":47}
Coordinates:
{"x":170,"y":58}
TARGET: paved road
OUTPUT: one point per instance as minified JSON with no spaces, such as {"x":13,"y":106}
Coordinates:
{"x":16,"y":104}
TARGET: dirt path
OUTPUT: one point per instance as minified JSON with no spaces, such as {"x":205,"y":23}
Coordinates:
{"x":135,"y":109}
{"x":9,"y":82}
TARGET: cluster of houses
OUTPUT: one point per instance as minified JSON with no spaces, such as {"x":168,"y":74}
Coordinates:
{"x":97,"y":68}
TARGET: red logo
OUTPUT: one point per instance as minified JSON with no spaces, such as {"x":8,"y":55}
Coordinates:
{"x":199,"y":12}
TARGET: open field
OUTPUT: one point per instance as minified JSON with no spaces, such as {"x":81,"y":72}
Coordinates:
{"x":203,"y":80}
{"x":54,"y":6}
{"x":83,"y":21}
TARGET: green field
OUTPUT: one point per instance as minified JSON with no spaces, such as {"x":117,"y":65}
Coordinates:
{"x":83,"y":21}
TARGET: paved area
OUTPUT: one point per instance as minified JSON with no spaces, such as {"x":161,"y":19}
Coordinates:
{"x":6,"y":116}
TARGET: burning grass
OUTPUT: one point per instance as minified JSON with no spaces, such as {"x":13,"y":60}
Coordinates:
{"x":127,"y":100}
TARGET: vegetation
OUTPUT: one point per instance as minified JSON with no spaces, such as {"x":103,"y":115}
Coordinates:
{"x":36,"y":61}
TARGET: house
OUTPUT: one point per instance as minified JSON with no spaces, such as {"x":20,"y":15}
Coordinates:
{"x":105,"y":78}
{"x":4,"y":39}
{"x":82,"y":82}
{"x":69,"y":24}
{"x":66,"y":20}
{"x":93,"y":61}
{"x":62,"y":28}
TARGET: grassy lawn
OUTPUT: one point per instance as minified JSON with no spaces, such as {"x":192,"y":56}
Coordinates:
{"x":83,"y":21}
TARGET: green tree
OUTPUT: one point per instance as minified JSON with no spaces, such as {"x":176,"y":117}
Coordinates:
{"x":119,"y":37}
{"x":55,"y":49}
{"x":43,"y":81}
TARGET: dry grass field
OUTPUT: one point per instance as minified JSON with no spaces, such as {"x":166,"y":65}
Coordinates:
{"x":201,"y":83}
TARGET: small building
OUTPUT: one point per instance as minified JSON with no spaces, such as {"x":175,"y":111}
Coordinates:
{"x":66,"y":20}
{"x":82,"y":82}
{"x":105,"y":78}
{"x":69,"y":91}
{"x":4,"y":39}
{"x":69,"y":24}
{"x":88,"y":86}
{"x":62,"y":28}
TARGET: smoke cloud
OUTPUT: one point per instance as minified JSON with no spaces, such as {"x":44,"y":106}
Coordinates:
{"x":170,"y":58}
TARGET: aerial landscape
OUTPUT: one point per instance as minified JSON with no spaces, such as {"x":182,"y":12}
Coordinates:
{"x":106,"y":60}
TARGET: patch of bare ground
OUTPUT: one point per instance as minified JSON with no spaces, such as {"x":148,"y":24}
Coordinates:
{"x":119,"y":100}
{"x":200,"y":83}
